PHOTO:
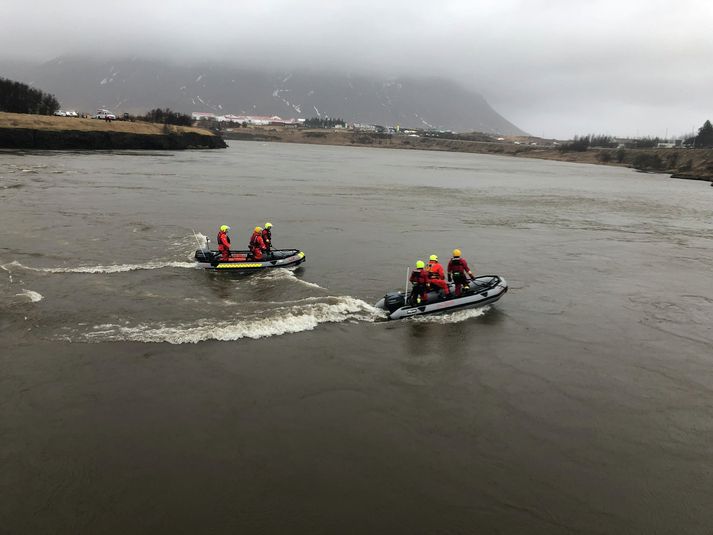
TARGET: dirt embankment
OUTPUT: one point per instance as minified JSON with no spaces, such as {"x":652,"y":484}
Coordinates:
{"x":681,"y":163}
{"x":40,"y":132}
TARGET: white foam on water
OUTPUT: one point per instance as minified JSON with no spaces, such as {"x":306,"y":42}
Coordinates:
{"x":454,"y":317}
{"x":34,"y":297}
{"x":201,"y":238}
{"x":9,"y":273}
{"x":279,"y":274}
{"x":115,"y":268}
{"x":291,"y":319}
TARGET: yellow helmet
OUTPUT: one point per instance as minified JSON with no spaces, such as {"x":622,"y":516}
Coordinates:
{"x":433,"y":257}
{"x":268,"y":225}
{"x":456,"y":252}
{"x":420,"y":264}
{"x":258,"y":229}
{"x":224,"y":227}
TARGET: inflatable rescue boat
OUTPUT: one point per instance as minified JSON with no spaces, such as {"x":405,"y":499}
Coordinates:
{"x":480,"y":292}
{"x":242,"y":261}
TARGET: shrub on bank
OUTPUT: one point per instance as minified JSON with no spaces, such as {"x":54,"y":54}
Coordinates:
{"x":579,"y":144}
{"x":604,"y":156}
{"x":687,"y":166}
{"x":647,"y":162}
{"x":672,"y":160}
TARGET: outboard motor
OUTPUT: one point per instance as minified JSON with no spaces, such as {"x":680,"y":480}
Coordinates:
{"x":204,"y":254}
{"x":393,"y":301}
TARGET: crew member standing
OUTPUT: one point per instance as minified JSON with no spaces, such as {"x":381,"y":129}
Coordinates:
{"x":437,"y":276}
{"x":224,"y":242}
{"x":457,"y":271}
{"x":267,"y":236}
{"x":257,"y":246}
{"x":419,"y":279}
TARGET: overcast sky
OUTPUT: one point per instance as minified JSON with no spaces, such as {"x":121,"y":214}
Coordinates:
{"x":552,"y":67}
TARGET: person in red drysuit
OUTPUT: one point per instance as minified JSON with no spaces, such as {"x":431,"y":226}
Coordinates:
{"x":257,"y":245}
{"x":458,"y":271}
{"x":267,"y":236}
{"x":419,"y":279}
{"x":224,"y":242}
{"x":437,"y":276}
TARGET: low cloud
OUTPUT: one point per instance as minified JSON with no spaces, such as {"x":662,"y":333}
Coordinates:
{"x":552,"y":67}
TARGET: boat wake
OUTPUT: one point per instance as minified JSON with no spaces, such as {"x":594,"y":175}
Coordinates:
{"x":34,"y":297}
{"x":290,"y":319}
{"x":453,"y":317}
{"x":282,"y":274}
{"x":114,"y":268}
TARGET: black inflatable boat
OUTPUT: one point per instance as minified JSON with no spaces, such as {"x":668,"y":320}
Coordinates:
{"x":480,"y":292}
{"x":242,"y":261}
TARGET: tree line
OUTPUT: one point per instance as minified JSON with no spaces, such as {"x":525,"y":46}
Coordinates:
{"x":703,"y":140}
{"x":16,"y":97}
{"x":319,"y":122}
{"x":167,"y":116}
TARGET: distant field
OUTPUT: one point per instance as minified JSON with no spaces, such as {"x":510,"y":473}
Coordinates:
{"x":50,"y":122}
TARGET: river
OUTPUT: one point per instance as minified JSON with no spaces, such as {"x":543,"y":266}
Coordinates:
{"x":139,"y":394}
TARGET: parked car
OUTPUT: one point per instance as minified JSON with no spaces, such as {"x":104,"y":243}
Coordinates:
{"x":71,"y":113}
{"x":105,"y":114}
{"x":60,"y":113}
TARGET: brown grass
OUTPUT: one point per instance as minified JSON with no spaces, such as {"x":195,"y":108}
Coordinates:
{"x":50,"y":122}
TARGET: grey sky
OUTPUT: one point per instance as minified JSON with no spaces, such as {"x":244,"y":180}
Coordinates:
{"x":553,"y":67}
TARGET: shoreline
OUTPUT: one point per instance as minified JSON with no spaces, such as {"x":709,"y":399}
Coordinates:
{"x":41,"y":132}
{"x":688,"y":164}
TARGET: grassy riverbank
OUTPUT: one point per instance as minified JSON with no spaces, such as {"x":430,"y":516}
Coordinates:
{"x":681,"y":163}
{"x":24,"y":131}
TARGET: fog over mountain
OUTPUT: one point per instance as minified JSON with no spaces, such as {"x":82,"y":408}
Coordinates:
{"x":137,"y":85}
{"x":552,"y":67}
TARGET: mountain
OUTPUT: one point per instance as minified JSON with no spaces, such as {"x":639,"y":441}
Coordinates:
{"x":137,"y":85}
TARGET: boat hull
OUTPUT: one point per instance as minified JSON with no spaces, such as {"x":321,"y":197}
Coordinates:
{"x":240,"y":261}
{"x":484,"y":291}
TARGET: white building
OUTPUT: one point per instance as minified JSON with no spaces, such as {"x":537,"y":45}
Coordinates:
{"x":199,"y":115}
{"x":253,"y":120}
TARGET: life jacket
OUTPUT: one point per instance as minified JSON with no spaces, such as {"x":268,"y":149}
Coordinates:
{"x":267,"y":238}
{"x":435,"y":270}
{"x":419,"y":277}
{"x":222,"y":238}
{"x":256,"y":241}
{"x":456,"y":265}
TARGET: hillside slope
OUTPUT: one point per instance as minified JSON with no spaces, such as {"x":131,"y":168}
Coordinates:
{"x":136,"y":85}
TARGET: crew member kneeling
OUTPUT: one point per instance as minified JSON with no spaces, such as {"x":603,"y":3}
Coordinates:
{"x":437,"y":276}
{"x":458,"y":271}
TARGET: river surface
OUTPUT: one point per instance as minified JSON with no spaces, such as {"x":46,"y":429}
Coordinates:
{"x":139,"y":394}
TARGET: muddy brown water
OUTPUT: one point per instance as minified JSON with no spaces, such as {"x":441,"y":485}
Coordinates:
{"x":141,"y":395}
